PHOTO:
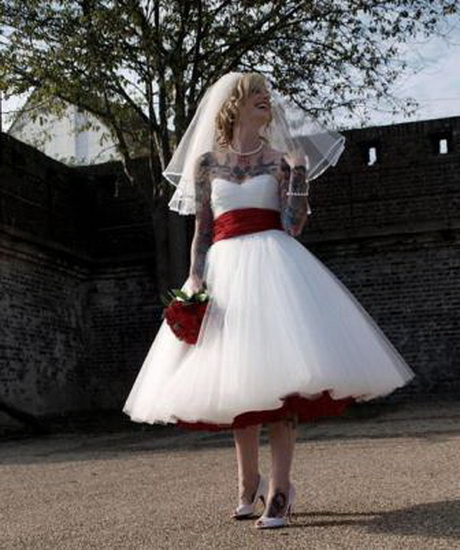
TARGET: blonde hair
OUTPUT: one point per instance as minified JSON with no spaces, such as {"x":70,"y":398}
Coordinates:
{"x":248,"y":84}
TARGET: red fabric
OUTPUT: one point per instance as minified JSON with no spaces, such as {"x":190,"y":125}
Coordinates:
{"x":243,"y":221}
{"x":305,"y":409}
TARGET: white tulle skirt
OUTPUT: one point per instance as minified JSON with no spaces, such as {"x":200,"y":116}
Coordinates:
{"x":281,"y":335}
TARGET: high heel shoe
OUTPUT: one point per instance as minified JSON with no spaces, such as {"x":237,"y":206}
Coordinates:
{"x":266,"y":522}
{"x":247,"y":510}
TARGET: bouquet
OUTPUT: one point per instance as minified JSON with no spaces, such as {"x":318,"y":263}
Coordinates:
{"x":184,"y":313}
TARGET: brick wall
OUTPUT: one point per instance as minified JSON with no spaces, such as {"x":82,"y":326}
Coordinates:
{"x":78,"y":304}
{"x":390,"y":232}
{"x":79,"y":307}
{"x":46,"y":329}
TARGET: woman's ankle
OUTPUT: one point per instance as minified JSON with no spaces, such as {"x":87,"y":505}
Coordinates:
{"x":277,"y":503}
{"x":248,"y":488}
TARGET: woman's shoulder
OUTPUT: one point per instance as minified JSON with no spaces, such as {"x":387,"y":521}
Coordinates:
{"x":277,"y":158}
{"x":205,"y":161}
{"x":205,"y":158}
{"x":275,"y":154}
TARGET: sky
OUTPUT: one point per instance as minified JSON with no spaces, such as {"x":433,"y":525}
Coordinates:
{"x":435,"y":78}
{"x":434,"y":82}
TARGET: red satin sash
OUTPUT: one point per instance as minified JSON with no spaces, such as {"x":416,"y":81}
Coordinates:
{"x":243,"y":221}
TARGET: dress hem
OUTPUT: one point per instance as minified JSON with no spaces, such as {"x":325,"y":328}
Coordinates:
{"x":304,"y":409}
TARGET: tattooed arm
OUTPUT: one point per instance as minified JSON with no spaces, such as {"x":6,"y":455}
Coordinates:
{"x":202,"y":237}
{"x":294,"y":207}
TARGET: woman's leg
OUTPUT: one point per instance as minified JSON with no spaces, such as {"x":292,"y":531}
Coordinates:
{"x":247,"y":456}
{"x":282,"y":437}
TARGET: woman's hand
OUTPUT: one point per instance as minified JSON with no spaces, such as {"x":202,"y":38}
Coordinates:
{"x":296,"y":230}
{"x":295,"y":161}
{"x":194,"y":283}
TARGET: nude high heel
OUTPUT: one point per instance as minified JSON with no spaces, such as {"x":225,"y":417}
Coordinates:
{"x":266,"y":522}
{"x":247,"y":510}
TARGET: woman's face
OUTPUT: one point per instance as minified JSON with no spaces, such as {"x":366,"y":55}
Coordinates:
{"x":256,"y":110}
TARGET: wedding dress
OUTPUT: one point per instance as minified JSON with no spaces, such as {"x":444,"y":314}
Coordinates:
{"x":281,"y":335}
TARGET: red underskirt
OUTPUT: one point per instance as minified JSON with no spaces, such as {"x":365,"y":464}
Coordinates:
{"x":305,"y":409}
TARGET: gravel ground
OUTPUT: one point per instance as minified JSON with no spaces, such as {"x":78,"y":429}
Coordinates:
{"x":388,"y":482}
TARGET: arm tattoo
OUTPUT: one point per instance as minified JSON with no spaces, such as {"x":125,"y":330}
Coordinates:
{"x":202,"y":238}
{"x":294,"y":207}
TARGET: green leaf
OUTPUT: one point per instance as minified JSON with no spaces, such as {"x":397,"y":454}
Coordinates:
{"x":181,"y":295}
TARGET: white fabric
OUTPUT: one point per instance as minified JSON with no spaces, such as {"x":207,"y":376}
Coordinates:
{"x":257,"y":191}
{"x":291,"y":132}
{"x":279,"y":323}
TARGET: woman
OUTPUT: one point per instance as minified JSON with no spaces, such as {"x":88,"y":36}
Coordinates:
{"x":282,"y":340}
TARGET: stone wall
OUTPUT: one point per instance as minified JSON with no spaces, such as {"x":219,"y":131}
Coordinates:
{"x":79,"y":306}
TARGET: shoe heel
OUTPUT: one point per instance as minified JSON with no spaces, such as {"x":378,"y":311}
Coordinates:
{"x":292,"y":496}
{"x":247,"y":510}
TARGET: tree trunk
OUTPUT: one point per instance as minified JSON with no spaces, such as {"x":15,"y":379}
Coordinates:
{"x":179,"y":246}
{"x":171,"y":247}
{"x":161,"y":240}
{"x":170,"y":230}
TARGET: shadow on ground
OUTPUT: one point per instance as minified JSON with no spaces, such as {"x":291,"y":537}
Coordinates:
{"x":432,"y":519}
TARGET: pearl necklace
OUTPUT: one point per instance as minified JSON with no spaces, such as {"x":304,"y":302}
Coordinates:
{"x":249,"y":153}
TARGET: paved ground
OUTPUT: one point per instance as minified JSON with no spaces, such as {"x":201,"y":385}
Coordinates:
{"x":386,"y":482}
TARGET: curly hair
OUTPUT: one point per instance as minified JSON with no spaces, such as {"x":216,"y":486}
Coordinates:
{"x":248,"y":84}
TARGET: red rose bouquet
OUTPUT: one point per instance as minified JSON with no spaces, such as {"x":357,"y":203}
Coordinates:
{"x":184,"y":313}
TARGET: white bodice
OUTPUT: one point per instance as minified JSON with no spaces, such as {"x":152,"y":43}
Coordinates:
{"x":256,"y":192}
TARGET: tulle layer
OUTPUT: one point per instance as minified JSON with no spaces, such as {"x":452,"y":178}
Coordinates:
{"x":281,"y":335}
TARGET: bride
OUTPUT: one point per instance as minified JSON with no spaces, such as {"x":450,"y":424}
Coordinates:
{"x":282,"y":340}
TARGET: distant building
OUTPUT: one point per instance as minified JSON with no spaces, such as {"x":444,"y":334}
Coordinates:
{"x":76,"y":138}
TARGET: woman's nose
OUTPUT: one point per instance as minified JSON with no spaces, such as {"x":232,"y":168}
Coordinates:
{"x":263,"y":96}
